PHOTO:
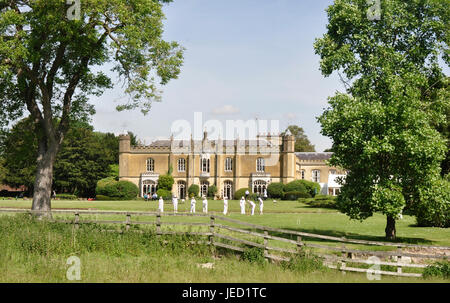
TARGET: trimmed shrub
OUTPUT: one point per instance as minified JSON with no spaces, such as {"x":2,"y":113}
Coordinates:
{"x":313,"y":188}
{"x":275,"y":190}
{"x":66,"y":197}
{"x":117,"y":190}
{"x":294,"y":195}
{"x":193,"y":190}
{"x":212,"y":191}
{"x":240,"y":193}
{"x":164,"y":193}
{"x":296,"y":185}
{"x":165,"y":182}
{"x":322,"y":203}
{"x":434,"y":208}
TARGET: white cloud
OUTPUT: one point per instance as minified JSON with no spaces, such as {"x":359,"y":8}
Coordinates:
{"x":225,"y":110}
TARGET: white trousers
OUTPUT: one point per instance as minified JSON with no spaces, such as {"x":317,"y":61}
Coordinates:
{"x":225,"y":209}
{"x":192,"y":208}
{"x":161,"y":207}
{"x":253,"y":207}
{"x":242,"y":209}
{"x":205,"y":207}
{"x":261,"y":206}
{"x":175,"y":207}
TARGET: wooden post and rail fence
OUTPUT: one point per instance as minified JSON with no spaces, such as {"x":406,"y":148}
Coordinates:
{"x":215,"y":237}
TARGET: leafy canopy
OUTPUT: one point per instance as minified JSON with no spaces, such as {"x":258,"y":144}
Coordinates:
{"x":381,"y":126}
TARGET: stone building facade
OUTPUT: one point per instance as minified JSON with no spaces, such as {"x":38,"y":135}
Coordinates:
{"x":228,"y":164}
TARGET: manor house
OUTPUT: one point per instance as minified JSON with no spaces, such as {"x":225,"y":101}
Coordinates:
{"x":228,"y":164}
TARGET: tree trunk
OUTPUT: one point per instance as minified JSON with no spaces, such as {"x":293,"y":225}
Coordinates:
{"x":44,"y":179}
{"x":390,"y":228}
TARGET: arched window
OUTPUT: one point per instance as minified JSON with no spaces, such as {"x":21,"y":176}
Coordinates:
{"x":182,"y":165}
{"x":259,"y":187}
{"x":260,"y":165}
{"x":204,"y":165}
{"x":181,"y":189}
{"x":228,"y":189}
{"x":148,"y":187}
{"x":228,"y":164}
{"x":316,"y":175}
{"x":150,"y":165}
{"x":204,"y":188}
{"x":303,"y":174}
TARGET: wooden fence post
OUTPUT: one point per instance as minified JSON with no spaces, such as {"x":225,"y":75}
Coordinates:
{"x":399,"y":259}
{"x":343,"y":251}
{"x":266,"y":240}
{"x":211,"y":230}
{"x":299,"y":244}
{"x":77,"y":220}
{"x":158,"y":223}
{"x":128,"y":222}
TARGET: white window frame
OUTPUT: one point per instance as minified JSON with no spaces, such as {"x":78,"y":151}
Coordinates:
{"x":228,"y":164}
{"x":260,"y":165}
{"x":204,"y":165}
{"x":182,"y":165}
{"x":316,"y":175}
{"x":150,"y":165}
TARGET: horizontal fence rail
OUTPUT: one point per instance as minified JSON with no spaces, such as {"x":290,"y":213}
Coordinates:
{"x":248,"y":235}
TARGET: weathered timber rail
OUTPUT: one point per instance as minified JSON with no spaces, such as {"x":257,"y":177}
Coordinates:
{"x":247,"y":232}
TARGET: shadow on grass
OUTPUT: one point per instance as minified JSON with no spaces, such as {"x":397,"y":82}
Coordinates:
{"x":355,"y":236}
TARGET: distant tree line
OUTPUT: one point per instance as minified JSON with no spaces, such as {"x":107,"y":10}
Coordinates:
{"x":86,"y":156}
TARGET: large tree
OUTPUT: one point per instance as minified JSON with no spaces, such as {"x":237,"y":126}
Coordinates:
{"x":50,"y":63}
{"x":302,"y":143}
{"x":382,"y":126}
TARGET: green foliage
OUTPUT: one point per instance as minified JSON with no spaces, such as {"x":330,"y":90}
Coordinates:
{"x":313,"y":188}
{"x":84,"y":158}
{"x":50,"y":239}
{"x":383,"y":127}
{"x":320,"y":201}
{"x":117,"y":190}
{"x":304,"y":262}
{"x":240,"y":193}
{"x":165,"y":182}
{"x":193,"y":190}
{"x":294,"y":195}
{"x":275,"y":190}
{"x":302,"y":143}
{"x":114,"y":171}
{"x":439,"y":269}
{"x":66,"y":197}
{"x":296,"y":185}
{"x":164,"y":193}
{"x":254,"y":255}
{"x":212,"y":191}
{"x":434,"y":207}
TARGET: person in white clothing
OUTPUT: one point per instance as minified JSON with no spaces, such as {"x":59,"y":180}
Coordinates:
{"x":252,"y":205}
{"x":193,"y":201}
{"x":242,"y":204}
{"x":175,"y":204}
{"x":261,"y":205}
{"x":161,"y":205}
{"x":225,"y":205}
{"x":205,"y":205}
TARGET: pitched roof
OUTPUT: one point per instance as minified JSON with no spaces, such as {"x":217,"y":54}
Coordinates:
{"x":313,"y":156}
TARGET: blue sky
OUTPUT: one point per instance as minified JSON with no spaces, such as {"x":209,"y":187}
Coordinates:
{"x":243,"y":59}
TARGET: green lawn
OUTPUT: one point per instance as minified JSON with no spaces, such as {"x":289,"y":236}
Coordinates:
{"x":282,"y":214}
